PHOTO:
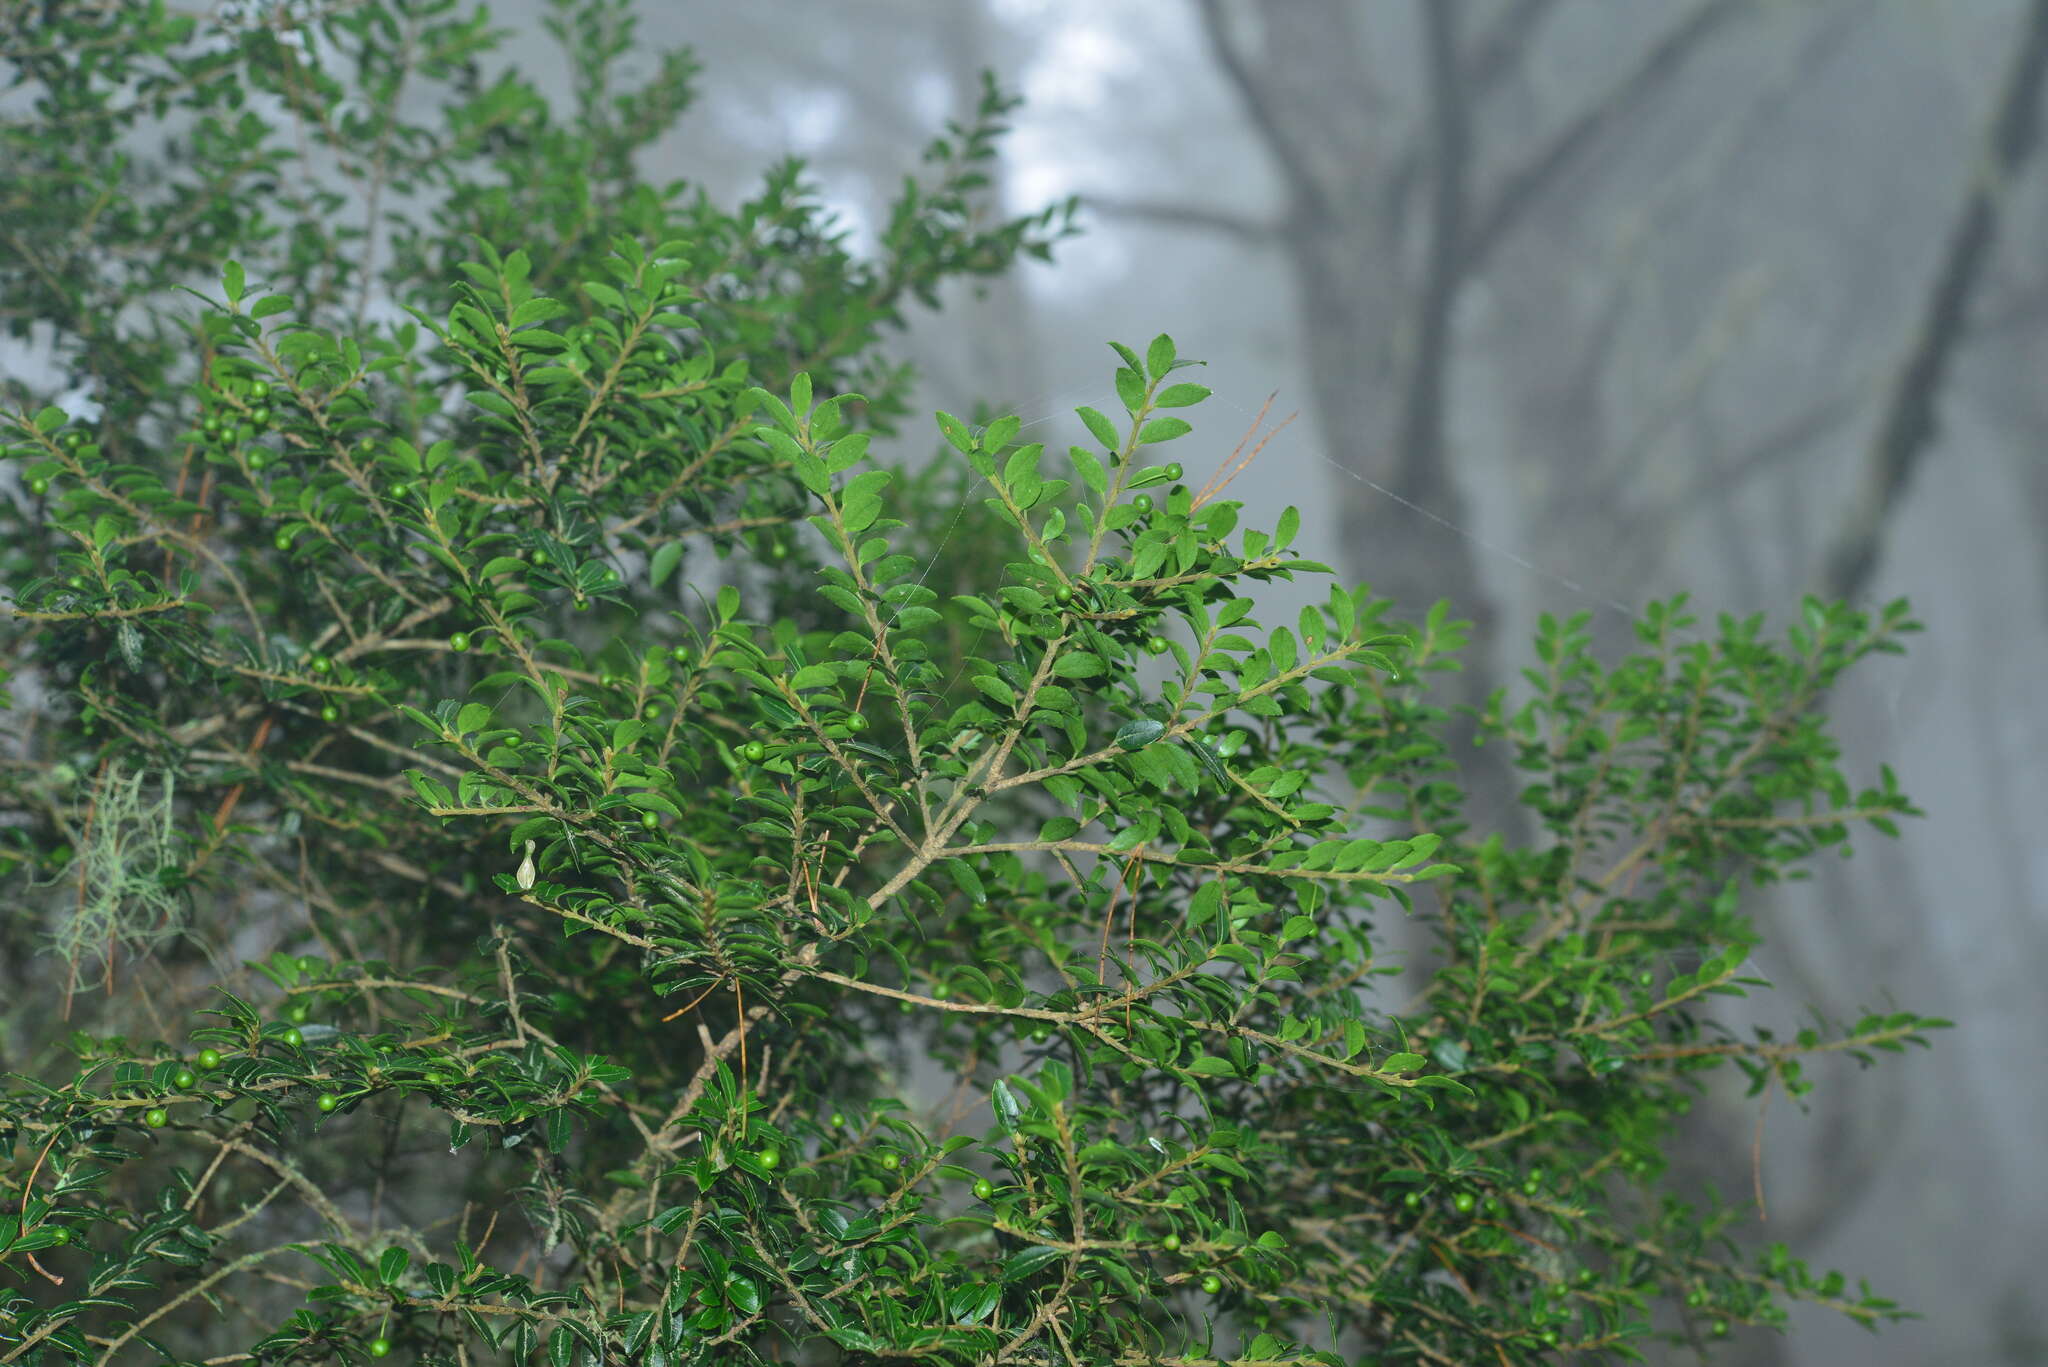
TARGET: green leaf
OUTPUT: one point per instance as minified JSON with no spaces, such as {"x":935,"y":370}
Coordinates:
{"x":663,"y":562}
{"x":1004,"y":1102}
{"x":269,"y":304}
{"x":231,"y":281}
{"x":391,"y":1266}
{"x":955,"y":432}
{"x":1142,"y":731}
{"x":1163,"y":429}
{"x":1290,"y":523}
{"x":1077,"y":665}
{"x":1159,"y":356}
{"x":1099,"y":427}
{"x":1023,"y":1264}
{"x":1180,"y":395}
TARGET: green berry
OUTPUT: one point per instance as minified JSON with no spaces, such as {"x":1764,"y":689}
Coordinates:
{"x":1173,"y":471}
{"x":259,"y":390}
{"x":380,"y":1347}
{"x":209,"y":425}
{"x":680,"y":654}
{"x":209,"y":1059}
{"x":1720,"y":1329}
{"x":76,"y":583}
{"x":856,"y":723}
{"x":74,"y":439}
{"x":540,"y":558}
{"x":1171,"y":1243}
{"x":293,"y":1039}
{"x":837,"y":1120}
{"x":459,"y":642}
{"x":307,"y":963}
{"x":260,"y":414}
{"x":1695,"y":1298}
{"x":1155,"y":645}
{"x":890,"y":1162}
{"x":1143,"y":503}
{"x":328,"y":1101}
{"x":156,"y":1117}
{"x":1549,"y":1337}
{"x":330,"y":714}
{"x":401,"y":489}
{"x":1063,"y":594}
{"x":283,"y":541}
{"x":1413,"y":1200}
{"x":257,"y":460}
{"x":650,"y":821}
{"x":1465,"y":1202}
{"x":39,"y":486}
{"x":296,"y":1013}
{"x":754,"y":752}
{"x":1211,"y":1284}
{"x":769,"y":1159}
{"x":983,"y":1189}
{"x":320,"y":664}
{"x":60,"y":1235}
{"x":184,"y":1079}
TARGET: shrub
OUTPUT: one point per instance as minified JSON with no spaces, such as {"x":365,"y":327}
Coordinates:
{"x":639,"y":896}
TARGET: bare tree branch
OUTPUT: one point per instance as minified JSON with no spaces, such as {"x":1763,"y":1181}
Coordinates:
{"x":1419,"y":439}
{"x":1909,"y":420}
{"x":1309,"y":197}
{"x":1521,"y":188}
{"x":1486,"y":69}
{"x":1248,"y":230}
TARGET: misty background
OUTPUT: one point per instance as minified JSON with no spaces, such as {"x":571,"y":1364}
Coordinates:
{"x":1580,"y":303}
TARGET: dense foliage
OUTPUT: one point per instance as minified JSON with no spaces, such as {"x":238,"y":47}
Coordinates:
{"x":500,"y":859}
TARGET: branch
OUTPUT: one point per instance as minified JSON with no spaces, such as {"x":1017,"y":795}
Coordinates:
{"x":1522,"y":188}
{"x":1486,"y":70}
{"x":1309,"y":195}
{"x":1909,"y":420}
{"x":1247,"y":230}
{"x":1420,"y":441}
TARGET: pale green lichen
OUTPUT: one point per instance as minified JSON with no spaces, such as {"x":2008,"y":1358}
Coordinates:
{"x":117,"y":891}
